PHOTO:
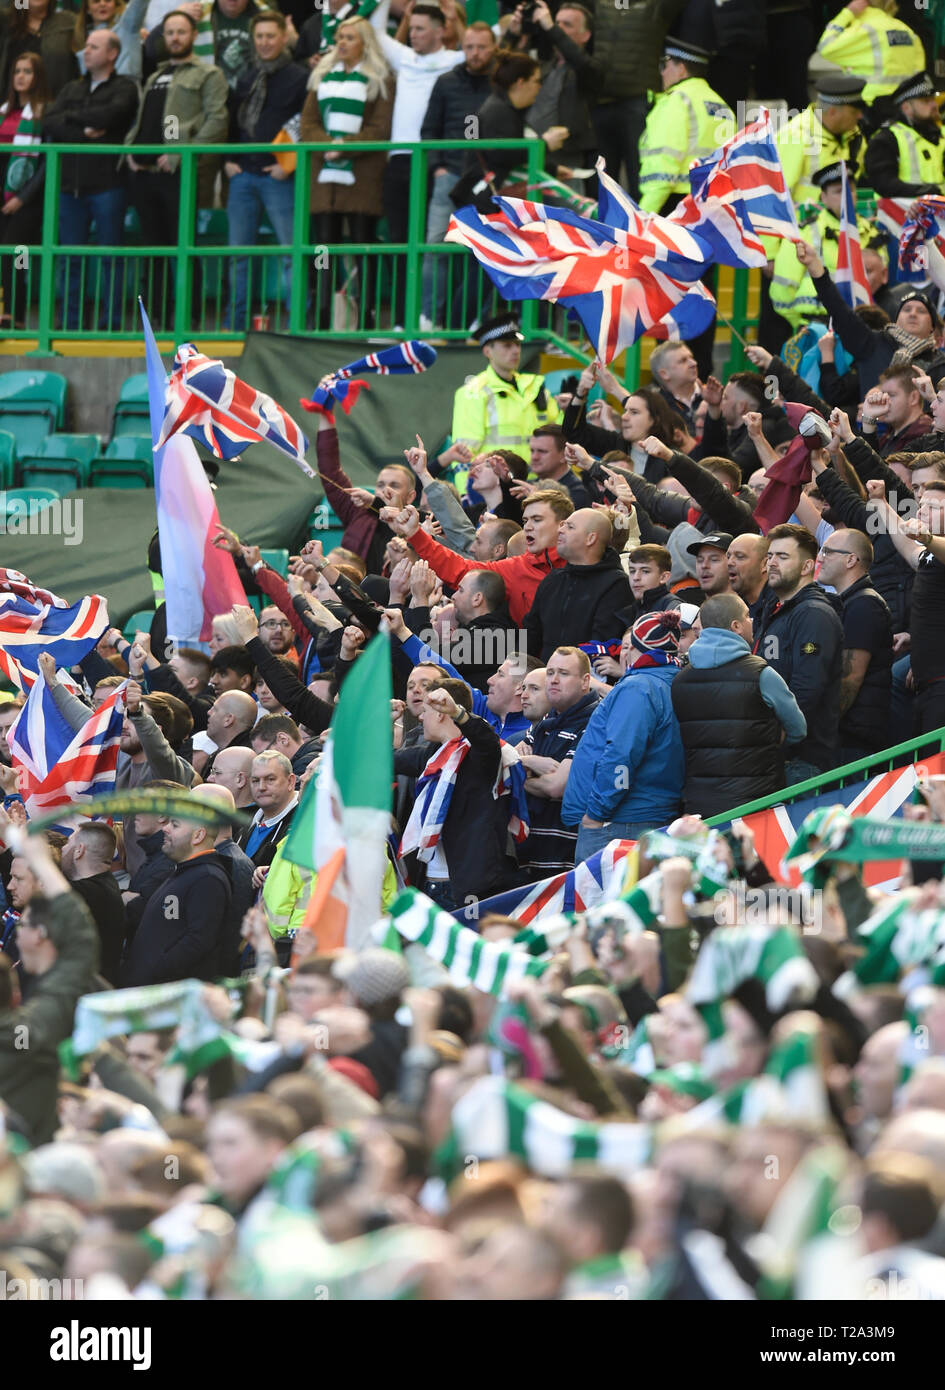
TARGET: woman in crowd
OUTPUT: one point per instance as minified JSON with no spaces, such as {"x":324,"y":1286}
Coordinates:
{"x":38,"y":28}
{"x":125,"y":21}
{"x":644,"y":413}
{"x":22,"y":171}
{"x":350,"y":98}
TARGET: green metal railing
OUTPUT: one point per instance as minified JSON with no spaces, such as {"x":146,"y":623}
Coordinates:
{"x":187,"y":288}
{"x":899,"y":755}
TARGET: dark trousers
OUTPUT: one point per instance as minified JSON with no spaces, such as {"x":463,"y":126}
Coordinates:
{"x":396,"y":193}
{"x":23,"y":228}
{"x":619,"y":126}
{"x":155,"y":197}
{"x":930,"y":708}
{"x":104,"y":279}
{"x":441,"y":892}
{"x":333,"y":229}
{"x":782,"y":69}
{"x":773,"y":330}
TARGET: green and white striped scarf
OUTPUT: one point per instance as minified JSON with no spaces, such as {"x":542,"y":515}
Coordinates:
{"x":330,"y":22}
{"x":341,"y":99}
{"x":21,"y":167}
{"x":497,"y":1119}
{"x":774,"y":955}
{"x":204,"y":50}
{"x":488,"y":965}
{"x":790,"y":1090}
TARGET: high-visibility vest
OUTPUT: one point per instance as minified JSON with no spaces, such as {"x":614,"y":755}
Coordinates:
{"x":288,"y":888}
{"x":688,"y":121}
{"x":919,"y":160}
{"x":875,"y":46}
{"x":489,"y":413}
{"x":792,"y":289}
{"x":806,"y":145}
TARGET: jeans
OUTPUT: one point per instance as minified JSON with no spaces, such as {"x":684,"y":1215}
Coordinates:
{"x":590,"y":840}
{"x":155,"y":197}
{"x":250,"y":195}
{"x":619,"y":126}
{"x":76,"y":214}
{"x":440,"y":891}
{"x":440,"y":211}
{"x":902,"y":700}
{"x":798,"y":770}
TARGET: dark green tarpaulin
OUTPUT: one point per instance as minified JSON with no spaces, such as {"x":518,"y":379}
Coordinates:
{"x":264,"y":497}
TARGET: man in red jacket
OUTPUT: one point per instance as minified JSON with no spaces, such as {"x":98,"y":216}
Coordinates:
{"x":521,"y":574}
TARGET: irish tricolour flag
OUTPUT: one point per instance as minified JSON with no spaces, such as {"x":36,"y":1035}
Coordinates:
{"x":340,"y":829}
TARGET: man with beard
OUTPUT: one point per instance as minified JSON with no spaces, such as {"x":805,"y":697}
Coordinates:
{"x":905,"y":158}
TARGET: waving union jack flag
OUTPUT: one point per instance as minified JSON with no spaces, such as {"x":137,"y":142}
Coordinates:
{"x":34,"y":620}
{"x":211,"y":404}
{"x":850,"y":276}
{"x":745,"y":173}
{"x":57,"y":767}
{"x":619,"y":282}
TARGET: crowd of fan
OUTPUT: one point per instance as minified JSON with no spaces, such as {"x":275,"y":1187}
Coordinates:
{"x":579,"y":588}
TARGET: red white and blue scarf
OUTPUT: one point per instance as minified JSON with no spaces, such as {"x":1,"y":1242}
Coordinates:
{"x":434,"y":792}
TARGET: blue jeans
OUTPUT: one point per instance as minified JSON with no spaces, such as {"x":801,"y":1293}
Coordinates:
{"x":433,"y":304}
{"x":77,"y":212}
{"x":902,"y":701}
{"x":799,"y":770}
{"x":250,"y":195}
{"x":589,"y":840}
{"x":440,"y":891}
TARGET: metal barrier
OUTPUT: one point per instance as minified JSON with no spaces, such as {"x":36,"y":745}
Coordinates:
{"x":302,"y":288}
{"x":899,"y":755}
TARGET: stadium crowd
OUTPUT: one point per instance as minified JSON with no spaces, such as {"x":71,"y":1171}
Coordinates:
{"x":607,"y":626}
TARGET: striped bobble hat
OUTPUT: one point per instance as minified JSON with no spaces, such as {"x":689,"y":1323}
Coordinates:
{"x":656,"y":632}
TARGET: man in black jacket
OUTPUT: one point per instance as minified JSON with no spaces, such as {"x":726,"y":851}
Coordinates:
{"x":266,"y":98}
{"x":726,"y":434}
{"x":183,"y":929}
{"x":571,"y":83}
{"x":273,"y":784}
{"x":845,"y":561}
{"x":87,"y":859}
{"x":466,"y":858}
{"x":484,"y":634}
{"x":456,"y":97}
{"x":579,"y":603}
{"x":97,"y":109}
{"x":801,"y":636}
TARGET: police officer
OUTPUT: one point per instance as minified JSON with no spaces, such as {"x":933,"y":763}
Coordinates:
{"x":501,"y":407}
{"x":688,"y":121}
{"x":823,"y":133}
{"x":792,"y":290}
{"x":905,"y":158}
{"x":866,"y":41}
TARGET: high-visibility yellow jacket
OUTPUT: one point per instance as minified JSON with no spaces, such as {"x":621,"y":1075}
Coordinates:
{"x":288,"y":888}
{"x":688,"y":121}
{"x":806,"y":145}
{"x":874,"y":46}
{"x":489,"y":413}
{"x":919,"y":160}
{"x":792,"y":290}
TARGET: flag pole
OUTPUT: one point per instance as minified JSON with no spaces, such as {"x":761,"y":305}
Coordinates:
{"x":729,"y":325}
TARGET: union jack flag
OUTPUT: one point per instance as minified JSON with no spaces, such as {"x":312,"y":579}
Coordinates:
{"x":597,"y":880}
{"x":211,"y":404}
{"x":33,"y":620}
{"x":57,"y":767}
{"x":916,"y":223}
{"x":745,"y":174}
{"x":850,"y":276}
{"x":884,"y":796}
{"x":718,"y":216}
{"x":619,"y":284}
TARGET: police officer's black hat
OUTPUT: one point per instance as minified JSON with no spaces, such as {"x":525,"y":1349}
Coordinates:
{"x":840,"y":91}
{"x":503,"y":326}
{"x":685,"y":52}
{"x":832,"y":173}
{"x":919,"y":84}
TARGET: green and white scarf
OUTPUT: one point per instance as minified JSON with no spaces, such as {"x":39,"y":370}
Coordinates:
{"x":497,"y":1119}
{"x":773,"y":955}
{"x":330,"y":22}
{"x":341,"y":100}
{"x":487,"y":965}
{"x":21,"y":167}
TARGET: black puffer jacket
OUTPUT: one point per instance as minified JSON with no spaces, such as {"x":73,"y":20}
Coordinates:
{"x":802,"y":639}
{"x":632,"y":37}
{"x":578,"y":604}
{"x":457,"y":95}
{"x":890,"y":574}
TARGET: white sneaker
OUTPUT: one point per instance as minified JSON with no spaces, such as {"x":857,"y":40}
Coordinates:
{"x":426,"y":325}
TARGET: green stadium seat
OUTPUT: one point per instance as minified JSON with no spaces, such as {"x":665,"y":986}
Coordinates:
{"x":138,"y":622}
{"x":324,"y":526}
{"x":33,"y":393}
{"x":81,"y":447}
{"x":128,"y":462}
{"x":132,"y":411}
{"x":14,"y":498}
{"x":60,"y":457}
{"x":28,"y":431}
{"x":277,"y":560}
{"x":7,"y":459}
